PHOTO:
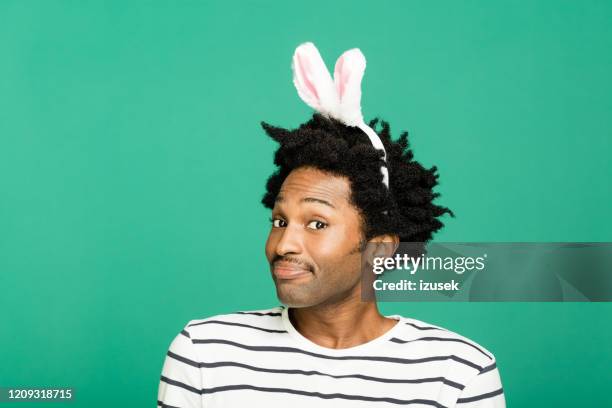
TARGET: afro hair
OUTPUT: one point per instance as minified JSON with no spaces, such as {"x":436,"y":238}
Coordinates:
{"x":406,"y":208}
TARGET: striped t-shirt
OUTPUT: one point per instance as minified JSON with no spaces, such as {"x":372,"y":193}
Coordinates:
{"x":258,"y":359}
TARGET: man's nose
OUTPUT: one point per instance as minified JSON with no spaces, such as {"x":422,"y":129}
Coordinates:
{"x":290,"y":241}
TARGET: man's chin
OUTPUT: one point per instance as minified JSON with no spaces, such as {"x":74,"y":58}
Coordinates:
{"x":294,"y":296}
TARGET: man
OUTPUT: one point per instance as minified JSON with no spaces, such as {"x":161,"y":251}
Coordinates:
{"x":324,"y":346}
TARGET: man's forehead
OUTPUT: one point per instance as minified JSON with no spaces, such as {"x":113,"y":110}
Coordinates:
{"x":312,"y":186}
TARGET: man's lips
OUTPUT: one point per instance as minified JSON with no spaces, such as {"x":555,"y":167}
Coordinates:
{"x":285,"y":270}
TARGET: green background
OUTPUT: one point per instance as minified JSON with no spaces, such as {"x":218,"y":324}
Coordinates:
{"x":132,"y":164}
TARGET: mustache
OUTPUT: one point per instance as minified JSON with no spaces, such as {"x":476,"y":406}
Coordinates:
{"x":301,"y":264}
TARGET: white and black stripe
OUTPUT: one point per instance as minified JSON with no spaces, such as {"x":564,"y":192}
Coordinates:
{"x":257,"y":358}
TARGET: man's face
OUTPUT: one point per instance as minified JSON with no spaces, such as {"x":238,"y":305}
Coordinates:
{"x":313,"y":246}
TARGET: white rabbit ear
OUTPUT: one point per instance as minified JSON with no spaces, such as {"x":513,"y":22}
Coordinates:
{"x":348,"y":74}
{"x":313,"y":81}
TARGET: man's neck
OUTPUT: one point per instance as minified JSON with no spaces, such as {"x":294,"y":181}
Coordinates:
{"x":340,"y":325}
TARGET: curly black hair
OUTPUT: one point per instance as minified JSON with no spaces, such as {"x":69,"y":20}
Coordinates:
{"x":327,"y":144}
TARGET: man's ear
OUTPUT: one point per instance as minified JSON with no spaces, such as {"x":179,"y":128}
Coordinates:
{"x":387,"y":244}
{"x":382,"y":246}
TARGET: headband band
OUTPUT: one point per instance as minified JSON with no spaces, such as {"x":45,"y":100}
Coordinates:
{"x":339,"y":97}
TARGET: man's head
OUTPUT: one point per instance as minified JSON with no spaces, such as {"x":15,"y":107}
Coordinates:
{"x":327,"y":200}
{"x":315,"y":241}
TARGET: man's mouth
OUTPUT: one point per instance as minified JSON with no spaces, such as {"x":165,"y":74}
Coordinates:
{"x":286,"y":270}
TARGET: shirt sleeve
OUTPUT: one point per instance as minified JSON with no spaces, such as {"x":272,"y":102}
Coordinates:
{"x":180,"y":385}
{"x":484,"y":391}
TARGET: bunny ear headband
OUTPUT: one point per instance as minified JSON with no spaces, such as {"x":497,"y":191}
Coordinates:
{"x":339,"y":97}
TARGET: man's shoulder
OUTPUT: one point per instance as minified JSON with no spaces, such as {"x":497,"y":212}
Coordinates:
{"x":243,"y":322}
{"x":436,"y":339}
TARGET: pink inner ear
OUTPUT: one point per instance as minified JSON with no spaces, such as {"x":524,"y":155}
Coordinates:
{"x":341,"y":76}
{"x":304,"y":68}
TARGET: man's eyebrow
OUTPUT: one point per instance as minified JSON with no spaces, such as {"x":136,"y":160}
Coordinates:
{"x":280,"y":199}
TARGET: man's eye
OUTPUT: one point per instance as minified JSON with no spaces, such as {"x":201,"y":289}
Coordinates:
{"x":318,"y":224}
{"x":276,"y":221}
